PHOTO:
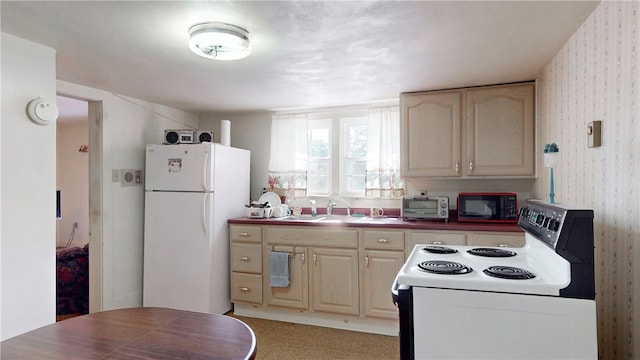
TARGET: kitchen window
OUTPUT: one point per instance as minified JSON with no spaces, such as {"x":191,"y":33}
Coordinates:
{"x":347,"y":152}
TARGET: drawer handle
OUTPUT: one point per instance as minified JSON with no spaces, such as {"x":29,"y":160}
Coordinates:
{"x":244,"y":258}
{"x":245,"y":289}
{"x":383,"y":241}
{"x":244,"y":234}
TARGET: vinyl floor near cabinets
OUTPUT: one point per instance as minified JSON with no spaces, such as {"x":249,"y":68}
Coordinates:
{"x":284,"y":340}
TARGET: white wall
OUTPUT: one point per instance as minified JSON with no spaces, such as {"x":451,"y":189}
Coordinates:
{"x":28,"y":189}
{"x":73,"y":183}
{"x":128,"y":124}
{"x":596,"y":76}
{"x":252,"y":131}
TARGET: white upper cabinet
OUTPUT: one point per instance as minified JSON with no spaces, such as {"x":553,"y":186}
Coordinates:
{"x":497,"y":127}
{"x":500,"y":131}
{"x":430,"y":134}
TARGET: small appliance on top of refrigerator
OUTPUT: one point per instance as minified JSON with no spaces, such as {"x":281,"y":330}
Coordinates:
{"x":190,"y":192}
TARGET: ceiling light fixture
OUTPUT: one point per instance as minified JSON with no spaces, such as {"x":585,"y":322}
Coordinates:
{"x":220,"y":41}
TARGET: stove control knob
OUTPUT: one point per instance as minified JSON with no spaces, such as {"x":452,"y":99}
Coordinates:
{"x":539,"y":219}
{"x":553,"y":225}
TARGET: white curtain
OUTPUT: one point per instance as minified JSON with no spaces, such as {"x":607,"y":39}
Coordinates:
{"x":383,"y":153}
{"x":289,"y":152}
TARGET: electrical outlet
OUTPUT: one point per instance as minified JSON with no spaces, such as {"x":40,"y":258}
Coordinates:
{"x":138,"y":177}
{"x":115,"y":175}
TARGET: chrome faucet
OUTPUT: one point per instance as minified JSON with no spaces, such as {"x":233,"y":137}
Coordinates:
{"x":330,"y":205}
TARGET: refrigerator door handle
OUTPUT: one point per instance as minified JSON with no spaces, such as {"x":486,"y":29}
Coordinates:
{"x":206,"y":171}
{"x":203,"y":211}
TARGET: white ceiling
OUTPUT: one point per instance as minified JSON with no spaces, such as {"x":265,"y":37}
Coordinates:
{"x":305,"y":53}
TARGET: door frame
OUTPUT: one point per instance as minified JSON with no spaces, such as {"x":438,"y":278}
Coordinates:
{"x":95,"y":206}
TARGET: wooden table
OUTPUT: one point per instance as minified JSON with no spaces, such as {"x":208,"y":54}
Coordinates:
{"x":140,"y":333}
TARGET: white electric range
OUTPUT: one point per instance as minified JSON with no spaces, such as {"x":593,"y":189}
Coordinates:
{"x":534,"y":302}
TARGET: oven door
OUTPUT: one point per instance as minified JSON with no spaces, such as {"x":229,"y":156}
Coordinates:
{"x":460,"y":324}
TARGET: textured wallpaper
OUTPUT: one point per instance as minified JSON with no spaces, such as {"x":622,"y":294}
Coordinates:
{"x":595,"y":76}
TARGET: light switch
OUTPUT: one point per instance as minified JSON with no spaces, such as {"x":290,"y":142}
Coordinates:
{"x":594,"y":133}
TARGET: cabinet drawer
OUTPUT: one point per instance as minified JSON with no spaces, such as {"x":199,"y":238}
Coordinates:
{"x":383,"y":240}
{"x":245,"y":233}
{"x":497,"y":239}
{"x":246,"y":288}
{"x":246,"y":258}
{"x":326,"y":237}
{"x":436,"y":238}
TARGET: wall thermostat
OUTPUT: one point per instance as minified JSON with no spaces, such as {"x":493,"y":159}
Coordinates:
{"x":594,"y":133}
{"x":42,"y":111}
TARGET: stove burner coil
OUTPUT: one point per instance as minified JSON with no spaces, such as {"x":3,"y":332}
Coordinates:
{"x":509,"y":272}
{"x":444,"y":267}
{"x":489,"y":252}
{"x":435,"y":249}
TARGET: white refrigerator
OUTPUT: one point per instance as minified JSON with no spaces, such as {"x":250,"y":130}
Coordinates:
{"x":190,"y":192}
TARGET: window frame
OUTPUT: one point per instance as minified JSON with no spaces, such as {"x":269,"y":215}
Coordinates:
{"x":346,"y":123}
{"x":320,"y":123}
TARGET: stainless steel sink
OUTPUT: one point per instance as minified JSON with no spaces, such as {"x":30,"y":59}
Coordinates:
{"x":378,"y":220}
{"x":303,"y":217}
{"x":339,"y":219}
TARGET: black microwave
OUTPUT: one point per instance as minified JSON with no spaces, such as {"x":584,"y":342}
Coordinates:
{"x":491,"y":207}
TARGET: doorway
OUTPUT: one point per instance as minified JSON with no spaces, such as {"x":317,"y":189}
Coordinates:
{"x":81,"y":120}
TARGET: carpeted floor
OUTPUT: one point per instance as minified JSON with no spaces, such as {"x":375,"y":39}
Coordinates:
{"x":283,"y":340}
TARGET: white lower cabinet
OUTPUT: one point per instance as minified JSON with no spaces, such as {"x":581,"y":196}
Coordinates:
{"x":382,"y":258}
{"x":334,"y":275}
{"x":296,"y":295}
{"x":501,"y":239}
{"x":379,"y":271}
{"x":340,"y":277}
{"x":435,"y":238}
{"x":246,"y":263}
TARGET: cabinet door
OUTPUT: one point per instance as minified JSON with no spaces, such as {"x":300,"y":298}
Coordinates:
{"x":430,"y":134}
{"x":500,"y":131}
{"x":380,"y":270}
{"x":335,"y":280}
{"x":296,"y":295}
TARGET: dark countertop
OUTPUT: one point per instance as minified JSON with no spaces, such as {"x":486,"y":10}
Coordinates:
{"x":382,"y":222}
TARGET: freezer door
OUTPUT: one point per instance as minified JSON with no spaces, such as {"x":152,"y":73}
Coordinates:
{"x":177,"y":250}
{"x":179,"y":167}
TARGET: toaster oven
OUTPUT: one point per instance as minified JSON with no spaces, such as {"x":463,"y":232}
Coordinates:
{"x":425,"y":208}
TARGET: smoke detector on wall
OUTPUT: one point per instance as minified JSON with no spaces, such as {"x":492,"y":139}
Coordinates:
{"x":42,"y":111}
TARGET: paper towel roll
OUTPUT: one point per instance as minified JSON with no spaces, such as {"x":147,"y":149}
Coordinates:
{"x":225,"y":132}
